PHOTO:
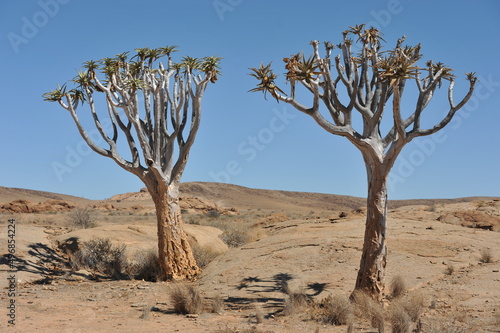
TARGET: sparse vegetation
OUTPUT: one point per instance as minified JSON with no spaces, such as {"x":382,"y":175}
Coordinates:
{"x":146,"y":310}
{"x":397,"y":286}
{"x":259,"y":314}
{"x":450,"y":269}
{"x":213,"y":213}
{"x":413,"y":304}
{"x":186,"y":300}
{"x":203,"y":255}
{"x":367,"y":307}
{"x":144,"y":265}
{"x":83,"y":218}
{"x":101,"y":256}
{"x":334,"y":310}
{"x":235,"y":232}
{"x":217,"y":304}
{"x":295,"y":302}
{"x":486,"y":256}
{"x":399,"y":318}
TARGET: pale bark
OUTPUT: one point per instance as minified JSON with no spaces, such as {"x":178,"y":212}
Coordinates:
{"x":174,"y":251}
{"x":159,"y":132}
{"x":368,"y":93}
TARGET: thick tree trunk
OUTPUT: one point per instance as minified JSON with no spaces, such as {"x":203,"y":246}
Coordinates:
{"x":174,"y":251}
{"x":371,"y":274}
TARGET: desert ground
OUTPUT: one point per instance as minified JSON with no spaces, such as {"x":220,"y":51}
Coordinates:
{"x":260,"y":250}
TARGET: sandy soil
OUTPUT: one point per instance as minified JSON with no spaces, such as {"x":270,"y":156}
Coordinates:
{"x":304,"y":246}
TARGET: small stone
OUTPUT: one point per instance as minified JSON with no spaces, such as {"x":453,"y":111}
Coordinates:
{"x":138,"y":305}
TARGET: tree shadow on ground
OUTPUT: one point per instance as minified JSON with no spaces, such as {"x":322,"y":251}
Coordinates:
{"x":42,"y":261}
{"x":277,"y":284}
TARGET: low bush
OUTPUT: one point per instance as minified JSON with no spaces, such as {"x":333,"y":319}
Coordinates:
{"x":217,"y":304}
{"x":399,"y":318}
{"x":186,"y":300}
{"x":486,"y":256}
{"x":101,"y":256}
{"x":83,"y":217}
{"x":144,"y":265}
{"x":397,"y":286}
{"x":295,"y":302}
{"x":335,"y":310}
{"x":367,"y":307}
{"x":203,"y":255}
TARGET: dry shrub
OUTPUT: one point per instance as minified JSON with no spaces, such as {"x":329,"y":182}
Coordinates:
{"x":259,"y":314}
{"x":145,"y":265}
{"x":335,"y":310}
{"x":203,"y":255}
{"x":400,"y":320}
{"x":413,"y":304}
{"x":367,"y":307}
{"x":146,"y":310}
{"x":405,"y":310}
{"x":486,"y":256}
{"x":213,"y":213}
{"x":217,"y":304}
{"x":235,"y":237}
{"x":82,"y":217}
{"x":295,"y":302}
{"x":397,"y":286}
{"x":100,"y":255}
{"x":235,"y":234}
{"x":450,"y":269}
{"x":186,"y":300}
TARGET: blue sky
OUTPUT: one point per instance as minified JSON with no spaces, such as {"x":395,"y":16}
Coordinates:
{"x":243,"y":138}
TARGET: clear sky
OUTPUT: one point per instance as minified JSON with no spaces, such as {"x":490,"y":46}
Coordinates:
{"x":265,"y":144}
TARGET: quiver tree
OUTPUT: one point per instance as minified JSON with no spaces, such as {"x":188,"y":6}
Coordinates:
{"x":156,"y":114}
{"x":370,"y":82}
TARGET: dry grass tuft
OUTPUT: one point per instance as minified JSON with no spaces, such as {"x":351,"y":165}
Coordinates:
{"x":217,"y":304}
{"x":334,"y":310}
{"x":397,"y":286}
{"x":259,"y":314}
{"x":486,"y":256}
{"x":413,"y":304}
{"x":295,"y":302}
{"x":145,"y":265}
{"x":186,"y":300}
{"x":367,"y":307}
{"x":450,"y":269}
{"x":399,"y":318}
{"x":82,"y":217}
{"x":146,"y":310}
{"x":203,"y":255}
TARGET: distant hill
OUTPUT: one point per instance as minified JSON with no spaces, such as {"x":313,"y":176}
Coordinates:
{"x":228,"y":195}
{"x":9,"y":194}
